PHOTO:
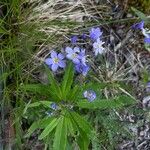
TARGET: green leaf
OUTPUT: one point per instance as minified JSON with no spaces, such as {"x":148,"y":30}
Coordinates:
{"x":140,"y":15}
{"x":32,"y":128}
{"x":45,"y":122}
{"x":36,"y":104}
{"x":67,"y":80}
{"x":54,"y":88}
{"x":39,"y":124}
{"x":44,"y":103}
{"x":81,"y":122}
{"x":74,"y":93}
{"x":71,"y":125}
{"x":96,"y":86}
{"x":60,"y":140}
{"x":49,"y":128}
{"x":83,"y":141}
{"x":118,"y":102}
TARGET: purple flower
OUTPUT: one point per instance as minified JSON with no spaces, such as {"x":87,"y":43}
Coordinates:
{"x":146,"y":32}
{"x":139,"y":25}
{"x":81,"y":68}
{"x":98,"y":47}
{"x":148,"y":87}
{"x":82,"y":57}
{"x":147,"y":40}
{"x":95,"y":33}
{"x":90,"y":95}
{"x":148,"y":84}
{"x":54,"y":106}
{"x":74,"y":39}
{"x":55,"y":61}
{"x":84,"y":36}
{"x":73,"y":54}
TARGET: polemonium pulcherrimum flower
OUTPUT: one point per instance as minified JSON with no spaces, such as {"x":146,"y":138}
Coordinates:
{"x":81,"y":68}
{"x":98,"y":47}
{"x":74,"y":39}
{"x":90,"y":95}
{"x":56,"y":61}
{"x":148,"y":87}
{"x":147,"y":40}
{"x":54,"y":106}
{"x":95,"y":33}
{"x":84,"y":36}
{"x":73,"y":54}
{"x":146,"y":33}
{"x":82,"y":57}
{"x":139,"y":25}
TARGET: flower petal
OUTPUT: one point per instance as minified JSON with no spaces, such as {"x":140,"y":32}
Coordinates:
{"x":95,"y":33}
{"x":54,"y":67}
{"x":61,"y":56}
{"x":62,"y":64}
{"x":53,"y":54}
{"x":139,"y":25}
{"x":69,"y":50}
{"x":76,"y":60}
{"x":76,"y":49}
{"x":96,"y":52}
{"x":48,"y":61}
{"x":147,"y":40}
{"x":83,"y":36}
{"x":74,"y":39}
{"x":69,"y":56}
{"x":86,"y":68}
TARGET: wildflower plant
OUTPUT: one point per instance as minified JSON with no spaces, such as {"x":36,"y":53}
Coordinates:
{"x":64,"y":107}
{"x":66,"y":99}
{"x":66,"y":112}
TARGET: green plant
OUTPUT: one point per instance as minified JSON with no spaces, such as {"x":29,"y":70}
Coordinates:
{"x":66,"y":124}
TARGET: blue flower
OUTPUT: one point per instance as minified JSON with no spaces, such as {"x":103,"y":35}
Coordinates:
{"x":148,"y":84}
{"x":81,"y":68}
{"x":98,"y":47}
{"x":84,"y":36}
{"x":139,"y":25}
{"x":90,"y":95}
{"x":56,"y":61}
{"x":146,"y":33}
{"x":82,"y":57}
{"x":147,"y":40}
{"x":95,"y":33}
{"x":49,"y":114}
{"x":54,"y":106}
{"x":148,"y":87}
{"x":73,"y":54}
{"x":74,"y":39}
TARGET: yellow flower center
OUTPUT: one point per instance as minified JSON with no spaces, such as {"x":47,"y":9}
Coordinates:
{"x":56,"y":60}
{"x":74,"y":55}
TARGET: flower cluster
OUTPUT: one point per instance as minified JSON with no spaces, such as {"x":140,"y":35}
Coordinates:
{"x":95,"y":35}
{"x":54,"y":107}
{"x":90,"y":95}
{"x":76,"y":54}
{"x":145,"y":31}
